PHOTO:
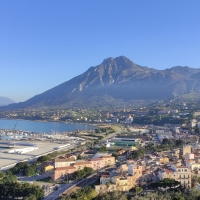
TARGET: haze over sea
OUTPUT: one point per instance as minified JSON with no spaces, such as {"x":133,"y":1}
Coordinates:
{"x":43,"y":127}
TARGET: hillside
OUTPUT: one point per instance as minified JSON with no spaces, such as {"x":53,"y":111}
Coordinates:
{"x":5,"y":101}
{"x":119,"y":79}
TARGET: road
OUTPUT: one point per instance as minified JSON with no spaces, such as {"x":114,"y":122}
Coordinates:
{"x":113,"y":134}
{"x":55,"y":194}
{"x":83,"y":183}
{"x":63,"y":188}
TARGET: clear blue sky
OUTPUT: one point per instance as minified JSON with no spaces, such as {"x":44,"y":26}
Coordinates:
{"x":45,"y":43}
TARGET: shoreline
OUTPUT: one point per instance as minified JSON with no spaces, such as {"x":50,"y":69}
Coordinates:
{"x":45,"y":121}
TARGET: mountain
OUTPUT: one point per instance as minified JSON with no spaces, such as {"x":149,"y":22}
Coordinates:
{"x":5,"y":101}
{"x":118,"y":79}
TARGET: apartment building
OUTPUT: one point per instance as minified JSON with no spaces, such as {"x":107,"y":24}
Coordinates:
{"x":62,"y":172}
{"x":97,"y":163}
{"x":108,"y":160}
{"x":179,"y":173}
{"x":63,"y":162}
{"x":135,"y":170}
{"x":80,"y":165}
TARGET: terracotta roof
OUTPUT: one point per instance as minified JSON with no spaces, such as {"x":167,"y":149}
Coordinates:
{"x":82,"y":163}
{"x":105,"y":176}
{"x":96,"y":159}
{"x":107,"y":157}
{"x":63,"y":160}
{"x":64,"y":168}
{"x":181,"y":167}
{"x":190,"y":161}
{"x":169,"y":171}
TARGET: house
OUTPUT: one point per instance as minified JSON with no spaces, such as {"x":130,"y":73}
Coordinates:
{"x":108,"y":160}
{"x":61,"y":172}
{"x":97,"y":163}
{"x":47,"y":167}
{"x":64,"y":162}
{"x":80,"y":165}
{"x":179,"y":173}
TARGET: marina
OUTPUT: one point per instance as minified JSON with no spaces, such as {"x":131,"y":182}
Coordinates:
{"x":42,"y":127}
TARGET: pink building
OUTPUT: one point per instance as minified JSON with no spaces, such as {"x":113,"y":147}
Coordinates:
{"x":97,"y":163}
{"x":61,"y":172}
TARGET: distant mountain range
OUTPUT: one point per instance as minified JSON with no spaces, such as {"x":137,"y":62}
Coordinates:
{"x":119,"y":79}
{"x":5,"y":101}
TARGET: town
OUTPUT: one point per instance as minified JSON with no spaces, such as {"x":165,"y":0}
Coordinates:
{"x":131,"y":159}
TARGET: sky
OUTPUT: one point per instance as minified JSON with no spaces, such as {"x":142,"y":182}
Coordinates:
{"x":45,"y":43}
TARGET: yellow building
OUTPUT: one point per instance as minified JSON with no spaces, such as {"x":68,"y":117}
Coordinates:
{"x":164,"y":160}
{"x":47,"y":167}
{"x":120,"y":183}
{"x":124,"y":167}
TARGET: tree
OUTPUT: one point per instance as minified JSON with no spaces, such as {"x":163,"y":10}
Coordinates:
{"x":42,"y":159}
{"x":116,"y":195}
{"x":166,"y":141}
{"x":103,"y":149}
{"x":87,"y":193}
{"x":18,"y":167}
{"x":136,"y":190}
{"x":116,"y":156}
{"x":79,"y":157}
{"x":30,"y":170}
{"x":9,"y":179}
{"x":2,"y":175}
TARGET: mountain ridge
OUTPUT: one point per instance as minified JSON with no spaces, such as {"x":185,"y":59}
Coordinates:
{"x":5,"y":101}
{"x":119,"y":79}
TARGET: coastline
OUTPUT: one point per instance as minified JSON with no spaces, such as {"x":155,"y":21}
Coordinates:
{"x":58,"y":122}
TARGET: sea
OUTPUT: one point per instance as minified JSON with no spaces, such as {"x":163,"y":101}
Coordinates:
{"x":43,"y":127}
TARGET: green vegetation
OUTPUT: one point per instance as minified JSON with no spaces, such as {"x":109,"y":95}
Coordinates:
{"x":104,"y":130}
{"x":169,"y":195}
{"x":168,"y":145}
{"x":82,"y":173}
{"x":30,"y":170}
{"x":47,"y":179}
{"x":18,"y":167}
{"x":136,"y":190}
{"x":116,"y":195}
{"x":79,"y":157}
{"x":166,"y":183}
{"x":10,"y":188}
{"x":103,"y":149}
{"x":86,"y":193}
{"x":50,"y":156}
{"x":21,"y":190}
{"x":116,"y":156}
{"x":24,"y":168}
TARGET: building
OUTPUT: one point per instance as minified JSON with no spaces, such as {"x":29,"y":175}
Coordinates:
{"x":189,"y":156}
{"x":97,"y":163}
{"x":192,"y":165}
{"x":179,"y":173}
{"x":186,"y":150}
{"x":70,"y":156}
{"x":82,"y":164}
{"x":135,"y":170}
{"x":108,"y":160}
{"x":164,"y":160}
{"x":62,"y":172}
{"x":123,"y":167}
{"x":47,"y":167}
{"x":63,"y":162}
